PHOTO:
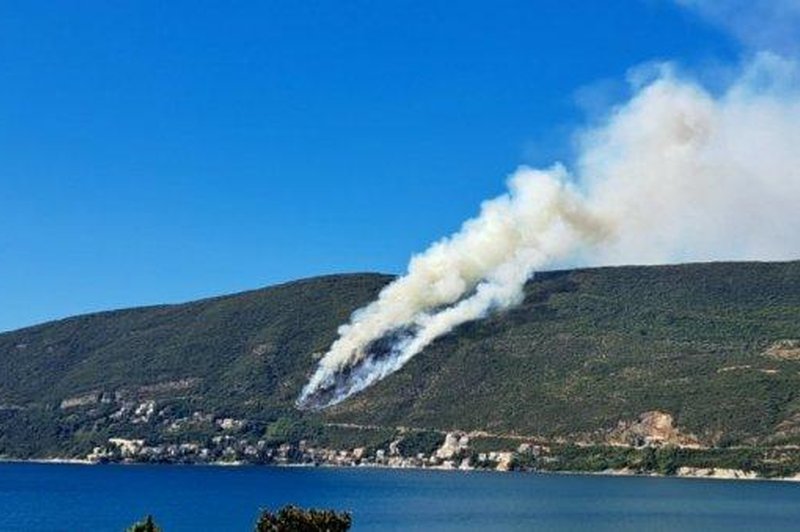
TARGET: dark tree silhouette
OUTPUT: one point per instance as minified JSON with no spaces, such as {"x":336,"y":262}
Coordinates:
{"x":293,"y":519}
{"x":148,"y":525}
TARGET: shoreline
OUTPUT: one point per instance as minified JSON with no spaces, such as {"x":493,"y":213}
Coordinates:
{"x":695,"y":473}
{"x":61,"y":461}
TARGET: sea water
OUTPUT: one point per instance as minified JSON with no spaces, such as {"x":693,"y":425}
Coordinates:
{"x":54,"y":497}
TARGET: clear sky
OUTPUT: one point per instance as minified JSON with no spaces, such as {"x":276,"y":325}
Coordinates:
{"x":164,"y":151}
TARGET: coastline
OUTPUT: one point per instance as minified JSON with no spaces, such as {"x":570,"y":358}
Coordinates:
{"x":61,"y":461}
{"x":687,"y":473}
{"x":698,"y":474}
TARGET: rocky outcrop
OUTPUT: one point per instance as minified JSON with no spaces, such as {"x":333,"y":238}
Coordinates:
{"x":81,"y":400}
{"x":454,"y":443}
{"x":784,"y":350}
{"x":722,"y":473}
{"x":651,"y":428}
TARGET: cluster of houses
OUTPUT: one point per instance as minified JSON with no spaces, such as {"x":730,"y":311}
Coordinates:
{"x":454,"y":453}
{"x":229,"y":441}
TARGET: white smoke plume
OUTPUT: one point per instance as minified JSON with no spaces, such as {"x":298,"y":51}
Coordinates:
{"x":675,"y":173}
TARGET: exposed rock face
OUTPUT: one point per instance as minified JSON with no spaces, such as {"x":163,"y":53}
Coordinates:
{"x":128,"y":447}
{"x":708,"y":472}
{"x":504,"y":460}
{"x":230,"y":423}
{"x":651,"y":428}
{"x":138,"y":393}
{"x":453,"y":443}
{"x":784,"y":350}
{"x":168,"y":386}
{"x":80,"y":400}
{"x":789,"y":426}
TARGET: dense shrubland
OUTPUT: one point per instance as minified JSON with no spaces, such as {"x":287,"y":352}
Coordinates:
{"x":586,"y":350}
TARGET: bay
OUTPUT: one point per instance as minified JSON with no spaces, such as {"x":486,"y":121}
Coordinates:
{"x":54,"y":497}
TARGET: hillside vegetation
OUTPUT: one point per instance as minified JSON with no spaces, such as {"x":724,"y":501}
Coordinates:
{"x":715,"y":346}
{"x":588,"y":348}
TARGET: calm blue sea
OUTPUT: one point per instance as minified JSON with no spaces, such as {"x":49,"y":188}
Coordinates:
{"x":39,"y":497}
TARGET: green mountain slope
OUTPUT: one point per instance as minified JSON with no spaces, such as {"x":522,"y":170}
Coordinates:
{"x":714,"y":345}
{"x":591,"y":347}
{"x":250,"y":347}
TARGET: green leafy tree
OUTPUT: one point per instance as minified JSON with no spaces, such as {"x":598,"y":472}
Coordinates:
{"x":289,"y":430}
{"x":148,"y":525}
{"x":667,"y":460}
{"x":290,"y":518}
{"x":416,"y":442}
{"x":649,"y":462}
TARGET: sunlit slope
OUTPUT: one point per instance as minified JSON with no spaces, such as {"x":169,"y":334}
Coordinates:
{"x":591,"y":347}
{"x":586,"y":349}
{"x":251,"y":347}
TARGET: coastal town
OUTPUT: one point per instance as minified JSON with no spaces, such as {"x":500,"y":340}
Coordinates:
{"x":454,"y":453}
{"x":140,"y":427}
{"x":650,"y":444}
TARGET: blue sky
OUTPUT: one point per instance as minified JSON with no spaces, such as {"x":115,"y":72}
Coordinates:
{"x":164,"y":151}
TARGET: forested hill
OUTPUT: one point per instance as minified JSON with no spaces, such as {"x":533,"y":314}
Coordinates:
{"x":716,"y":346}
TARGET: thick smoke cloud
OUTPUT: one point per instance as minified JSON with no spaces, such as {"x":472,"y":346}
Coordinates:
{"x":683,"y":175}
{"x":674,"y":174}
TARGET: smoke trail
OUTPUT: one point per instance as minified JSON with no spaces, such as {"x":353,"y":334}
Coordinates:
{"x":673,"y":174}
{"x":487,"y":261}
